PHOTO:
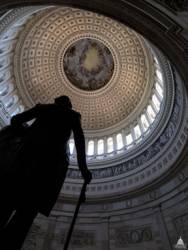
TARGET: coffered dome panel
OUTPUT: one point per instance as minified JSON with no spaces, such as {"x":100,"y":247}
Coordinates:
{"x":114,"y":58}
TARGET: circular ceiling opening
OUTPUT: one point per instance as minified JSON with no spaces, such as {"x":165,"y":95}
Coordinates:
{"x":88,"y":64}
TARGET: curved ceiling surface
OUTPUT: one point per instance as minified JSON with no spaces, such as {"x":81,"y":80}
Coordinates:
{"x":103,"y":66}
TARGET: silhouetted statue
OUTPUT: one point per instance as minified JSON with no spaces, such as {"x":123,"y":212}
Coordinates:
{"x":40,"y":166}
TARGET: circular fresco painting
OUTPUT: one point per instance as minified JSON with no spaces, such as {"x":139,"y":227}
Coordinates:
{"x":88,"y":64}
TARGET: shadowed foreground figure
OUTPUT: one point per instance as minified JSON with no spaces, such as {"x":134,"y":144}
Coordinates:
{"x":40,"y":167}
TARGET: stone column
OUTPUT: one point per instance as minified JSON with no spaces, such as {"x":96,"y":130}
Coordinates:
{"x":95,"y":147}
{"x":162,"y":228}
{"x":114,"y":143}
{"x":47,"y":245}
{"x":105,"y":145}
{"x":104,"y":234}
{"x":86,"y":145}
{"x":124,"y":138}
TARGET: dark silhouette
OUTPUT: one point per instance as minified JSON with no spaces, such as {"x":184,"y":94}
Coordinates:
{"x":40,"y":167}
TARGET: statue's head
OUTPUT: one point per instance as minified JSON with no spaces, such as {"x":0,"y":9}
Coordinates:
{"x":63,"y":101}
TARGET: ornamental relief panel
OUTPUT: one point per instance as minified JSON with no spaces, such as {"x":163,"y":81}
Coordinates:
{"x":124,"y":237}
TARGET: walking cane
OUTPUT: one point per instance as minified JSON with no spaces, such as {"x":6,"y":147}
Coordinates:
{"x":82,"y":199}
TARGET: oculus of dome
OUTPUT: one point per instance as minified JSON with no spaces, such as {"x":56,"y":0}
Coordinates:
{"x":88,"y":64}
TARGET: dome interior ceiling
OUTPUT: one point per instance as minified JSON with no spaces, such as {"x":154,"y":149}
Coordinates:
{"x":102,"y":65}
{"x":124,"y":88}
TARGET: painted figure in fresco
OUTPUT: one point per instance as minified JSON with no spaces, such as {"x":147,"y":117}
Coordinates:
{"x":40,"y":167}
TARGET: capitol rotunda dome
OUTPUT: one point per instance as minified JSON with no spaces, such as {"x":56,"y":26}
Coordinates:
{"x":133,"y":105}
{"x":120,"y":83}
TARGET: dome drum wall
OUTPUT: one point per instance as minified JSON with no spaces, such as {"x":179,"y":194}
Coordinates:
{"x":156,"y":161}
{"x":137,"y":212}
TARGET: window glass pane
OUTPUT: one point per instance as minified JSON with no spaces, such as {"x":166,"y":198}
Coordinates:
{"x":137,"y":131}
{"x":129,"y":139}
{"x":110,"y":145}
{"x":144,"y":122}
{"x":71,"y":146}
{"x":159,"y":89}
{"x":151,"y":113}
{"x":159,"y":75}
{"x":21,"y":108}
{"x":156,"y":102}
{"x":100,"y":148}
{"x":15,"y":112}
{"x":156,"y":61}
{"x":90,"y":148}
{"x":119,"y":141}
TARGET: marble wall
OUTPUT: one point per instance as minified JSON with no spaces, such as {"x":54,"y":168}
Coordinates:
{"x":152,"y":227}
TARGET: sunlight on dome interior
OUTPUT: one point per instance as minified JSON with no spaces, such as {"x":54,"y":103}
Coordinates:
{"x":115,"y":81}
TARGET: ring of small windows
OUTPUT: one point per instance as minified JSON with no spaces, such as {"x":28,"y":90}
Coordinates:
{"x":96,"y":148}
{"x":124,"y":140}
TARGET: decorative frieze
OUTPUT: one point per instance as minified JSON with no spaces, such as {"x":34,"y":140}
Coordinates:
{"x":125,"y":237}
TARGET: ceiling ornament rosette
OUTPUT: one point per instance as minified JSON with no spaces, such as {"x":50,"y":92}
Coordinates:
{"x":40,"y":74}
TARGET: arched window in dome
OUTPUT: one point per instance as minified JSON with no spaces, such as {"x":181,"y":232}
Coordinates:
{"x":129,"y":139}
{"x":151,"y":113}
{"x":156,"y":102}
{"x":110,"y":145}
{"x":90,"y":150}
{"x":156,"y":60}
{"x":119,"y":140}
{"x":17,"y":110}
{"x":159,"y":75}
{"x":137,"y":131}
{"x":159,"y":89}
{"x":100,"y":147}
{"x":11,"y":101}
{"x":71,"y":146}
{"x":144,"y":122}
